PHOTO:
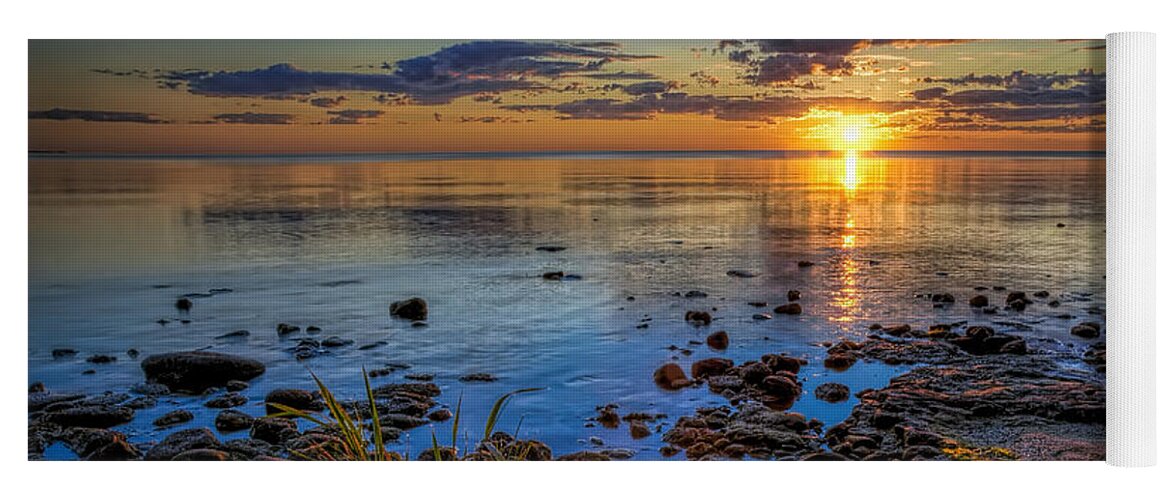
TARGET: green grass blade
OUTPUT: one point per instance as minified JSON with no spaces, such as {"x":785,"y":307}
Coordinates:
{"x":494,"y":415}
{"x":435,"y":446}
{"x":379,"y":446}
{"x":455,"y":422}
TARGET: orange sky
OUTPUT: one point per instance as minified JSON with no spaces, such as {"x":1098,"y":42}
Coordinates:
{"x":418,"y":96}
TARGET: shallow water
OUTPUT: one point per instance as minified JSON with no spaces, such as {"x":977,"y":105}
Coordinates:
{"x":331,"y":241}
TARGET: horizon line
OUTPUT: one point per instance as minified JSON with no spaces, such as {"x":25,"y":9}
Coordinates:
{"x":762,"y":153}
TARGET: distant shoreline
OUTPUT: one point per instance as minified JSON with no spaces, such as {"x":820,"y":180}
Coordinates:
{"x":654,"y":154}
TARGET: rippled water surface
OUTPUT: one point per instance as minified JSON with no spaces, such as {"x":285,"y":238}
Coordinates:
{"x":331,"y":242}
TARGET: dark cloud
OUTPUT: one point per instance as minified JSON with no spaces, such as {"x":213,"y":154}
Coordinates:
{"x":766,"y":109}
{"x":598,"y":45}
{"x":650,"y":88}
{"x":251,"y":118}
{"x":705,"y":79}
{"x":930,"y":93}
{"x":94,"y":116}
{"x":438,"y":78}
{"x":1092,"y":126}
{"x":327,"y":102}
{"x":1036,"y":113}
{"x":622,"y":75}
{"x":353,"y":116}
{"x":779,"y":62}
{"x":1023,"y":80}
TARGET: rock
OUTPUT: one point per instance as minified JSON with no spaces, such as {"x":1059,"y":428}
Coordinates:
{"x":238,"y":334}
{"x":840,"y":362}
{"x":133,"y":353}
{"x":414,"y":309}
{"x":274,"y":430}
{"x":196,"y":371}
{"x":36,"y":387}
{"x":233,"y":420}
{"x":740,"y":273}
{"x":639,"y":429}
{"x":761,"y":317}
{"x":38,"y":401}
{"x":1041,"y":294}
{"x":297,"y":399}
{"x":184,"y":304}
{"x":943,"y":298}
{"x":202,"y":455}
{"x":440,"y":415}
{"x":781,"y":363}
{"x":1088,"y":330}
{"x":718,"y":340}
{"x":754,"y":429}
{"x":236,"y":385}
{"x":286,"y":329}
{"x":698,"y":318}
{"x":831,"y":392}
{"x":63,"y":353}
{"x":554,"y":275}
{"x":174,"y":418}
{"x":781,"y":391}
{"x":478,"y":377}
{"x":373,"y":345}
{"x":401,"y":421}
{"x":425,"y":377}
{"x":758,"y":304}
{"x":229,"y":400}
{"x":794,"y":295}
{"x":608,"y":416}
{"x":710,"y":367}
{"x":550,"y":248}
{"x":94,"y":416}
{"x":695,"y":294}
{"x":101,"y":359}
{"x":978,"y":301}
{"x":418,"y":324}
{"x":181,"y":441}
{"x":313,"y":329}
{"x":791,"y":309}
{"x":671,"y":377}
{"x":584,"y":456}
{"x":804,"y":263}
{"x":99,"y":444}
{"x":1017,"y":301}
{"x":982,"y":340}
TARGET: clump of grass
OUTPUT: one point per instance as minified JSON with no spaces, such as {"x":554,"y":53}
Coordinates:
{"x":353,"y":443}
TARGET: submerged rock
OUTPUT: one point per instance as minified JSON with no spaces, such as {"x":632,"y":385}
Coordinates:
{"x":792,"y":308}
{"x":741,"y":273}
{"x":978,"y":301}
{"x":414,"y":309}
{"x":718,"y":340}
{"x":794,"y":295}
{"x":1088,"y":330}
{"x":184,"y":304}
{"x":832,"y":392}
{"x":671,"y":377}
{"x":196,"y":371}
{"x":478,"y":377}
{"x":698,"y":318}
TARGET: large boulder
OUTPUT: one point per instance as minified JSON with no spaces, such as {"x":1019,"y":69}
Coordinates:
{"x":196,"y":371}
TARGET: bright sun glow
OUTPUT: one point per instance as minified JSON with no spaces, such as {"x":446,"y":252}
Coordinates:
{"x":851,"y":134}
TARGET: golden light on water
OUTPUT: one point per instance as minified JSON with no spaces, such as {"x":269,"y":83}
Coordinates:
{"x":850,"y":171}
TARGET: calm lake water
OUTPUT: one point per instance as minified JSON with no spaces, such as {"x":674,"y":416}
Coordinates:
{"x":331,"y":241}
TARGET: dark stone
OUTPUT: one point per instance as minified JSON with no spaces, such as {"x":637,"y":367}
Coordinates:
{"x":297,"y":399}
{"x":184,"y":304}
{"x":978,"y":301}
{"x":64,"y":353}
{"x":943,"y":298}
{"x":233,"y":420}
{"x":671,"y":377}
{"x":840,"y":362}
{"x":174,"y":418}
{"x":718,"y":340}
{"x":791,"y":308}
{"x":1088,"y":330}
{"x":94,"y":416}
{"x":478,"y":377}
{"x":36,"y":387}
{"x":550,"y":248}
{"x":401,"y":421}
{"x":336,"y":342}
{"x":804,"y":263}
{"x":202,"y":455}
{"x":831,"y":392}
{"x":740,"y":273}
{"x":274,"y":430}
{"x":196,"y":371}
{"x":698,"y":318}
{"x":101,"y":359}
{"x":286,"y":329}
{"x":229,"y":400}
{"x":236,"y":385}
{"x":235,"y":335}
{"x":181,"y":441}
{"x":414,"y":309}
{"x":782,"y":363}
{"x":639,"y":429}
{"x":710,"y":367}
{"x":554,"y":275}
{"x":794,"y":295}
{"x":440,"y":415}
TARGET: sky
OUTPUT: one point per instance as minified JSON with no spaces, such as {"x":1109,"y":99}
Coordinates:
{"x":320,"y":96}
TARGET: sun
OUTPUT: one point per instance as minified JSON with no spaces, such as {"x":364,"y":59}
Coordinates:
{"x":851,"y":134}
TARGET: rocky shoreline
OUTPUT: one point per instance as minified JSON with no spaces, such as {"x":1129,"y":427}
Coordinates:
{"x":972,"y":393}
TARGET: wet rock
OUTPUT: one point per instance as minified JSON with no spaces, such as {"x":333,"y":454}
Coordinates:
{"x":762,"y":316}
{"x":93,"y":416}
{"x":782,"y":363}
{"x":943,"y":298}
{"x":306,"y":349}
{"x":718,"y":340}
{"x":982,"y":340}
{"x":287,"y":329}
{"x":99,"y":444}
{"x":791,"y":309}
{"x":424,"y":377}
{"x":419,"y":324}
{"x":229,"y":400}
{"x":1041,"y":295}
{"x":133,"y":353}
{"x":550,"y":248}
{"x":181,"y":441}
{"x":978,"y":301}
{"x":440,"y":415}
{"x":373,"y":345}
{"x":313,"y":329}
{"x":238,"y":334}
{"x":38,"y":401}
{"x":804,"y":263}
{"x":478,"y":377}
{"x":710,"y":367}
{"x":1088,"y":330}
{"x":196,"y":371}
{"x":584,"y":456}
{"x":671,"y":377}
{"x":639,"y":430}
{"x":754,"y":429}
{"x":101,"y":359}
{"x":274,"y":430}
{"x":36,"y":387}
{"x":233,"y":420}
{"x":63,"y":353}
{"x":1017,"y":301}
{"x":202,"y":455}
{"x":297,"y":399}
{"x":831,"y":392}
{"x":608,"y":416}
{"x":741,"y":273}
{"x":840,"y":361}
{"x":698,"y":318}
{"x":400,"y":421}
{"x":414,"y":309}
{"x":794,"y":295}
{"x":1096,"y":356}
{"x":174,"y":418}
{"x":554,"y":275}
{"x":184,"y":304}
{"x":236,"y":385}
{"x":758,"y":304}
